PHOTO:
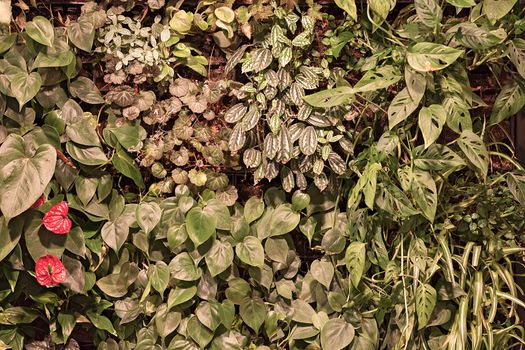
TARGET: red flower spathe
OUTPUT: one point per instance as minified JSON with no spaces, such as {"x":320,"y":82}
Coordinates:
{"x":50,"y":271}
{"x":38,"y":202}
{"x":56,"y":219}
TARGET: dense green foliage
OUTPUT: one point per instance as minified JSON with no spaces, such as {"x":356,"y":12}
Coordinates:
{"x":381,"y":205}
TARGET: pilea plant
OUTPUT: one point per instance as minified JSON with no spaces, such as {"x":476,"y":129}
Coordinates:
{"x":389,"y":210}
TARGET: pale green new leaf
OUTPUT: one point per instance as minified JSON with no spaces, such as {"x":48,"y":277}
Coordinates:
{"x":40,"y":30}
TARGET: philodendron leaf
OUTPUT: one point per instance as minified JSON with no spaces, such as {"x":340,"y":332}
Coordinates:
{"x":251,"y":251}
{"x":429,"y":57}
{"x":425,"y":303}
{"x":336,"y":334}
{"x":40,"y":30}
{"x":148,"y":216}
{"x":201,"y":225}
{"x":355,"y":259}
{"x":219,"y":257}
{"x":253,"y":312}
{"x":25,"y":86}
{"x":24,"y":174}
{"x":86,"y":90}
{"x":81,"y":33}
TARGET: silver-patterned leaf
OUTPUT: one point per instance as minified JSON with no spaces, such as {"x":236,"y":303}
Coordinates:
{"x":235,"y":58}
{"x":318,"y":166}
{"x":252,"y":158}
{"x":307,"y":82}
{"x":300,"y":180}
{"x":271,"y":171}
{"x":304,"y":112}
{"x":308,"y":23}
{"x":261,"y":58}
{"x":284,"y":78}
{"x":308,"y":141}
{"x":271,"y":146}
{"x":278,"y":108}
{"x":296,"y":94}
{"x":251,"y":118}
{"x":306,"y":164}
{"x":235,"y":113}
{"x":319,"y":120}
{"x":237,"y":138}
{"x":271,"y":77}
{"x":284,"y":154}
{"x":270,"y":92}
{"x":321,"y":181}
{"x":336,"y":163}
{"x":287,"y":179}
{"x":295,"y":131}
{"x":285,"y":56}
{"x":302,"y":40}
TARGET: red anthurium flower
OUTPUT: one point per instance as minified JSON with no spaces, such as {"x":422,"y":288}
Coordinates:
{"x":38,"y":202}
{"x":50,"y":271}
{"x":56,"y":219}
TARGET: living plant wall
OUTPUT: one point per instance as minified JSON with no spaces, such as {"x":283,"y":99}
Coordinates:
{"x":261,"y":175}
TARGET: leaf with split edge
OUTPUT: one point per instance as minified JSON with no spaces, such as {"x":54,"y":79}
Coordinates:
{"x":219,"y":257}
{"x":355,"y":258}
{"x":431,"y":121}
{"x":425,"y":303}
{"x":331,"y":97}
{"x":438,"y":158}
{"x":377,"y":79}
{"x":509,"y":102}
{"x":474,"y":149}
{"x":250,"y":251}
{"x":517,"y":55}
{"x":402,"y":106}
{"x":429,"y":57}
{"x":336,"y":334}
{"x":24,"y":175}
{"x":40,"y":30}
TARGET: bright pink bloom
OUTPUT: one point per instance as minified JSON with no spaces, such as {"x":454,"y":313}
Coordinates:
{"x":38,"y":202}
{"x":56,"y":219}
{"x":50,"y":271}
